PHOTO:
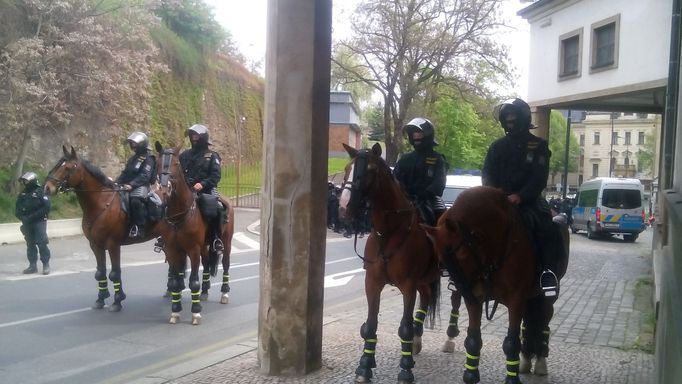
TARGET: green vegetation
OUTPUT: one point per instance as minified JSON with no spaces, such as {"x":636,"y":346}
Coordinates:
{"x":643,"y":302}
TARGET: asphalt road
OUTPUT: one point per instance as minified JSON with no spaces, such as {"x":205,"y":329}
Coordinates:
{"x":51,"y":335}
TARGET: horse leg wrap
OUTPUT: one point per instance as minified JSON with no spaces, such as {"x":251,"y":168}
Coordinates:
{"x":103,"y":291}
{"x":205,"y":281}
{"x":176,"y":285}
{"x":419,"y":317}
{"x":406,"y":333}
{"x":544,"y":343}
{"x":472,"y":344}
{"x":453,"y":327}
{"x":511,"y":347}
{"x":115,"y":277}
{"x":194,"y":286}
{"x":226,"y":283}
{"x":367,"y":361}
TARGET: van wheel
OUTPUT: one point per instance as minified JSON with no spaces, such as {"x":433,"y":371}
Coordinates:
{"x":574,"y":229}
{"x":630,"y":238}
{"x":590,"y":233}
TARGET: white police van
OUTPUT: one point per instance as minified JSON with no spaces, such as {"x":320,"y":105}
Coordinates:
{"x":608,"y":205}
{"x":455,"y":184}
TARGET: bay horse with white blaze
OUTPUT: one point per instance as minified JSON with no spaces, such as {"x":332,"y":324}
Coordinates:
{"x":397,"y":252}
{"x":105,"y":224}
{"x":189,"y":236}
{"x":483,"y":243}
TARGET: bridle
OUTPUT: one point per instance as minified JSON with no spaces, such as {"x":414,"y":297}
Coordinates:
{"x":167,"y":180}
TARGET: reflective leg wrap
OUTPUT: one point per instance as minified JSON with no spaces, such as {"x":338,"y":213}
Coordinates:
{"x":453,"y":327}
{"x":419,"y":317}
{"x":367,"y":361}
{"x":177,"y":284}
{"x":205,"y":282}
{"x":511,"y":347}
{"x":406,"y":333}
{"x":226,"y":283}
{"x":472,"y":344}
{"x":115,"y":277}
{"x":544,"y":343}
{"x":195,"y":287}
{"x":103,"y":291}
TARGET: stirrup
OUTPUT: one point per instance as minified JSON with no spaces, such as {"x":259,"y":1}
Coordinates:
{"x":549,"y":283}
{"x":218,"y":245}
{"x":134,"y":232}
{"x":158,"y":246}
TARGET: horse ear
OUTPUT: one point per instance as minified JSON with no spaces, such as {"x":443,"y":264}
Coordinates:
{"x":352,"y":152}
{"x":158,"y":146}
{"x":73,"y":153}
{"x":376,"y":149}
{"x":66,"y":151}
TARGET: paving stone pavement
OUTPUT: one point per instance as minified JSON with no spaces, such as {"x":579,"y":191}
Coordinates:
{"x":595,"y":332}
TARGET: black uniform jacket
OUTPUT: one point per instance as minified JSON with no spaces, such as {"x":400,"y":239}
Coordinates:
{"x":140,"y":170}
{"x":32,"y":205}
{"x":201,"y":166}
{"x":518,"y":164}
{"x":422,"y":173}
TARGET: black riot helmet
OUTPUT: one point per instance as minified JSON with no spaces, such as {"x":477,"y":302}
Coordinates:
{"x":420,"y":124}
{"x":138,"y":142}
{"x":28,"y":179}
{"x":201,"y":131}
{"x":514,"y":116}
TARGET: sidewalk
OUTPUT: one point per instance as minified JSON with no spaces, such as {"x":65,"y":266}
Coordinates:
{"x":595,"y":335}
{"x":10,"y":233}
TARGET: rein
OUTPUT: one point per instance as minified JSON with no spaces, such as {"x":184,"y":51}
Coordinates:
{"x":383,"y":238}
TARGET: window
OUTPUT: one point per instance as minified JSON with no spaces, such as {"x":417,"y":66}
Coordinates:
{"x":582,"y":139}
{"x":596,"y":138}
{"x":621,"y":198}
{"x":640,"y":138}
{"x":604,"y":47}
{"x":595,"y":170}
{"x":614,"y":138}
{"x":627,"y":138}
{"x":570,"y":54}
{"x":588,"y":197}
{"x":612,"y":164}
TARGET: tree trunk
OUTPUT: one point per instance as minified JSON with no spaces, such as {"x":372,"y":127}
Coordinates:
{"x":13,"y":185}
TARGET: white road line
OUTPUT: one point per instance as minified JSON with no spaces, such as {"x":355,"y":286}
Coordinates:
{"x":52,"y":316}
{"x":242,"y":238}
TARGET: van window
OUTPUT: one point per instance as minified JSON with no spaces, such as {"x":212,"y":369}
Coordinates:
{"x":587,"y":198}
{"x":621,"y":198}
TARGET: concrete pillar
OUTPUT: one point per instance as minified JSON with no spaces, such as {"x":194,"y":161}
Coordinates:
{"x":541,"y":121}
{"x":293,"y":219}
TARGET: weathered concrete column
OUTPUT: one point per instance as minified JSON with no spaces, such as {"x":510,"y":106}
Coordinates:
{"x":293,"y":216}
{"x":541,"y":120}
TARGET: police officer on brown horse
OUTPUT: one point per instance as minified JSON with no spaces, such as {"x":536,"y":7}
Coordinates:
{"x":138,"y":174}
{"x":422,"y":172}
{"x":202,"y":172}
{"x":518,"y":163}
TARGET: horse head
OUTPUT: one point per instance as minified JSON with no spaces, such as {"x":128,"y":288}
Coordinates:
{"x":67,"y":173}
{"x":362,"y":179}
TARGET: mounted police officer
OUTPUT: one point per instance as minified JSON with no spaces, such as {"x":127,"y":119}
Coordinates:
{"x":32,"y":208}
{"x":518,"y":163}
{"x":202,"y":172}
{"x":138,"y":174}
{"x":422,"y":172}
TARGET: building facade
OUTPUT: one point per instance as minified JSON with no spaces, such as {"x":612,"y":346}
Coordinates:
{"x":343,"y":123}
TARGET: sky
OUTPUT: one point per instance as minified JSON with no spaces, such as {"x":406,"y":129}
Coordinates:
{"x":246,"y":21}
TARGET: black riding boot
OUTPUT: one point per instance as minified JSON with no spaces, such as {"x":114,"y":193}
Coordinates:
{"x":218,"y":245}
{"x":138,"y":214}
{"x":31,"y":269}
{"x":547,"y":253}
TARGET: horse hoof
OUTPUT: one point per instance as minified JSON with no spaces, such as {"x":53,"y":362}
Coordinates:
{"x":541,"y":366}
{"x":98,"y":304}
{"x":361,"y":379}
{"x":196,"y":318}
{"x":115,"y":307}
{"x":225,"y":298}
{"x":526,"y":364}
{"x":174,"y":318}
{"x":203,"y":296}
{"x":448,"y":347}
{"x":416,"y":345}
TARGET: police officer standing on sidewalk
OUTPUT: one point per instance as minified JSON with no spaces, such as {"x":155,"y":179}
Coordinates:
{"x":32,"y":209}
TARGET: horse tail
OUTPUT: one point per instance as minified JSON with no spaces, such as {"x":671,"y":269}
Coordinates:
{"x":213,"y":260}
{"x":434,"y":302}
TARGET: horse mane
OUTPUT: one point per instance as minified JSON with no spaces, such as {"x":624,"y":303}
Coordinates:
{"x":97,"y":173}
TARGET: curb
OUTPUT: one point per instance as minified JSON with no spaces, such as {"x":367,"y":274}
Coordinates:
{"x":10,"y":233}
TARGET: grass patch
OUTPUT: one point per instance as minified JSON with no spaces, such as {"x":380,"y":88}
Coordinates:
{"x":644,"y":303}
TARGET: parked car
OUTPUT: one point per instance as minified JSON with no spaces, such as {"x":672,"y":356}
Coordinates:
{"x":609,"y":205}
{"x":455,"y":184}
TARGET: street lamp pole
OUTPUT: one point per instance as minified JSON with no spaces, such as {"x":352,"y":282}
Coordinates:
{"x":611,"y":150}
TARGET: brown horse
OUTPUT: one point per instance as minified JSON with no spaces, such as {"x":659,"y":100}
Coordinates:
{"x":105,"y":224}
{"x":189,"y":237}
{"x":397,"y":252}
{"x":488,"y":252}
